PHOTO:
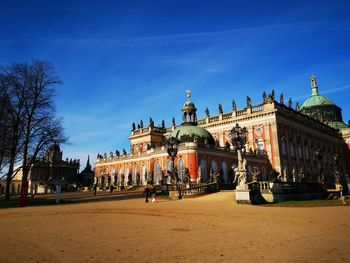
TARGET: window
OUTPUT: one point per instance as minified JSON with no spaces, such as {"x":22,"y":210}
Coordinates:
{"x":168,"y":170}
{"x":181,"y":170}
{"x":143,"y":174}
{"x":224,"y":171}
{"x":135,"y":175}
{"x":158,"y":172}
{"x":203,"y":171}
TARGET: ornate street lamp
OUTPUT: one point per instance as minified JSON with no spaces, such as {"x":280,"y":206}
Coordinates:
{"x":239,"y":137}
{"x":172,"y":146}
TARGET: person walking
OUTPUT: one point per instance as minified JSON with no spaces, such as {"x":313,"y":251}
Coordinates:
{"x":146,"y":193}
{"x":95,"y":189}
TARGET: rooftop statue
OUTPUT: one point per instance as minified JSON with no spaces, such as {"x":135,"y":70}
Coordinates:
{"x":207,"y":112}
{"x":264,"y":97}
{"x":313,"y":81}
{"x":220,"y":109}
{"x":281,"y":99}
{"x":234,"y":106}
{"x":188,"y":94}
{"x":249,"y":102}
{"x":297,"y":106}
{"x":273,"y":94}
{"x":290,"y":102}
{"x":133,"y":126}
{"x":151,"y":122}
{"x":163,"y":124}
{"x":124,"y":152}
{"x":141,"y":124}
{"x":173,"y":121}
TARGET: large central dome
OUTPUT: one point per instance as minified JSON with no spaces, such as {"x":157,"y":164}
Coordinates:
{"x":193,"y":131}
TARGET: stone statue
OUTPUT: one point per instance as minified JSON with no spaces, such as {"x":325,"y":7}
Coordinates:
{"x":313,"y":82}
{"x":220,"y":109}
{"x":117,"y":153}
{"x":151,"y":122}
{"x":241,"y":172}
{"x":249,"y":102}
{"x":297,"y":106}
{"x":133,"y":126}
{"x":234,"y":107}
{"x":301,"y":175}
{"x":104,"y":156}
{"x":138,"y":126}
{"x":163,"y":124}
{"x":264,"y":97}
{"x":281,"y":99}
{"x":207,"y":112}
{"x":141,"y":124}
{"x":173,"y":121}
{"x":290,"y":102}
{"x":124,"y":152}
{"x":111,"y":155}
{"x":255,"y":174}
{"x":273,"y":94}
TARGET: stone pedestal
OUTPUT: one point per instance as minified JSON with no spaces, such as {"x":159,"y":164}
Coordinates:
{"x":243,"y":196}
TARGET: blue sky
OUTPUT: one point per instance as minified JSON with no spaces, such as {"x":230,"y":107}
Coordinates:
{"x":123,"y":61}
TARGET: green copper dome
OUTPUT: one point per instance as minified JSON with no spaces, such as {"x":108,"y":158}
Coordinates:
{"x":316,"y":100}
{"x":192,"y":130}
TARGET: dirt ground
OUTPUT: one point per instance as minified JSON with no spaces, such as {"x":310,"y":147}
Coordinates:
{"x":207,"y":229}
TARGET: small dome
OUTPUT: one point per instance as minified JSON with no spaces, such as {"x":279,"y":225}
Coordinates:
{"x":188,"y":103}
{"x":191,"y":130}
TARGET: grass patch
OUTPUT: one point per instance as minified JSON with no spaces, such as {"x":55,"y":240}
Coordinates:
{"x":309,"y":203}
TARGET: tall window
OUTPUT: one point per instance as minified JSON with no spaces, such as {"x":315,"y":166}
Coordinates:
{"x":143,"y":174}
{"x":224,"y":171}
{"x":135,"y":175}
{"x":127,"y":171}
{"x":168,"y":170}
{"x":119,"y":175}
{"x":214,"y":166}
{"x":204,"y":176}
{"x":158,"y":172}
{"x":181,"y":170}
{"x":113,"y":176}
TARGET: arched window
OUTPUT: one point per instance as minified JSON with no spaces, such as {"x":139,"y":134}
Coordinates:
{"x":113,"y":176}
{"x":135,"y":175}
{"x":119,"y":176}
{"x":214,"y":166}
{"x":127,"y":171}
{"x":181,"y":170}
{"x":158,"y":172}
{"x":168,"y":170}
{"x":203,"y":171}
{"x":224,"y":172}
{"x":143,"y":174}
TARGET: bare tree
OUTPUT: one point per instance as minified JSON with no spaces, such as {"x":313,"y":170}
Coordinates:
{"x":35,"y":125}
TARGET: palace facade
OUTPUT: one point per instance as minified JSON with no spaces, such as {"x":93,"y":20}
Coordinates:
{"x":307,"y":143}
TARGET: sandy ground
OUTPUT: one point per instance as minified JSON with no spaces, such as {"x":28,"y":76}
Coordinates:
{"x":207,"y":229}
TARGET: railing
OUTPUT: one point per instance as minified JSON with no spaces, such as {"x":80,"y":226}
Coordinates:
{"x":241,"y":112}
{"x":257,"y":108}
{"x":214,"y":118}
{"x":227,"y":116}
{"x":199,"y":189}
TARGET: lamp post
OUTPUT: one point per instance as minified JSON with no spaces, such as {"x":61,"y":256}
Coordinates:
{"x":319,"y":157}
{"x":172,"y":146}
